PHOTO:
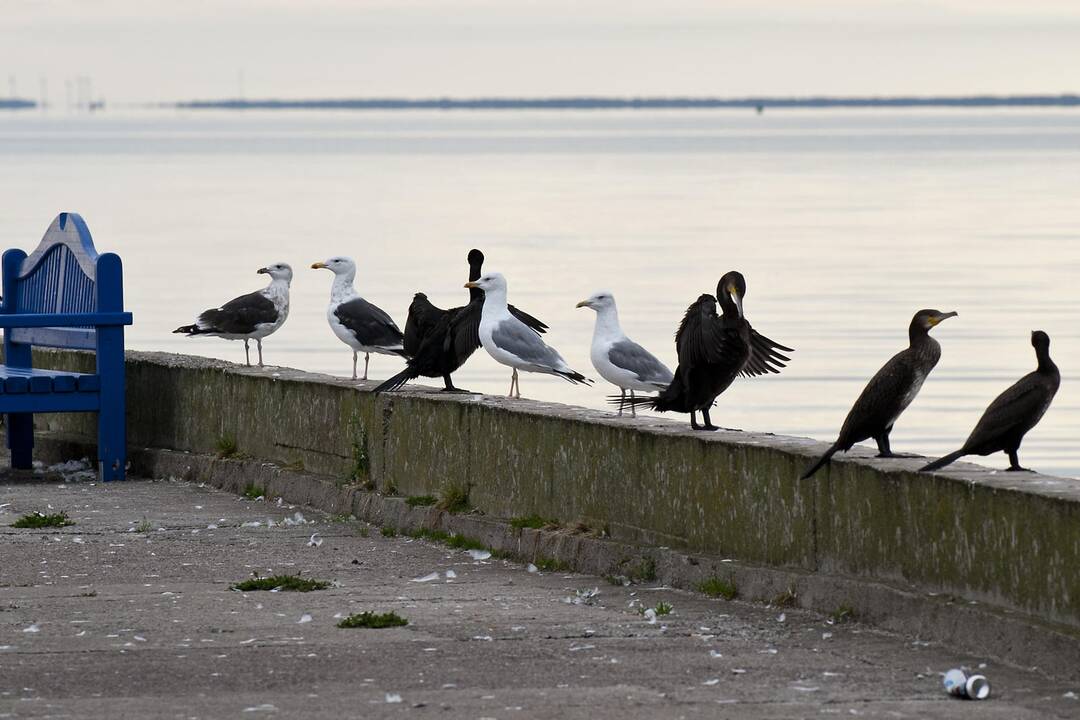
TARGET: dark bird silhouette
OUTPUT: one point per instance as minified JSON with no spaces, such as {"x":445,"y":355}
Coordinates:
{"x":1003,"y":426}
{"x":440,"y":341}
{"x":713,"y":350}
{"x":890,"y":391}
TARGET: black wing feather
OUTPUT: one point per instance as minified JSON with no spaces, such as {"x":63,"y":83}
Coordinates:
{"x":423,"y":318}
{"x":240,"y":315}
{"x":370,"y":324}
{"x":537,"y":326}
{"x":764,"y":356}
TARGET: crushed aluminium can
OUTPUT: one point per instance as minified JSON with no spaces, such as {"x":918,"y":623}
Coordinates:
{"x":970,"y":687}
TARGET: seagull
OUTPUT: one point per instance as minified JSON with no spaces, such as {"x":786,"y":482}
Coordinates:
{"x":512,"y":342}
{"x":249,"y":317}
{"x":439,"y":341}
{"x":618,"y":359}
{"x":359,"y":324}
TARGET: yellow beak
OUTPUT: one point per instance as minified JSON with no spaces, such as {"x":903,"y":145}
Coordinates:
{"x":471,"y":285}
{"x":583,"y":303}
{"x":316,"y":266}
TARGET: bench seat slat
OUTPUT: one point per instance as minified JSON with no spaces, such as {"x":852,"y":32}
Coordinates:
{"x":17,"y":381}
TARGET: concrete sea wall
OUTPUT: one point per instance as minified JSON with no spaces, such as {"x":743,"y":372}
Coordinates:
{"x":1011,"y":541}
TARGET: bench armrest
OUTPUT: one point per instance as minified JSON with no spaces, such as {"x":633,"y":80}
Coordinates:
{"x":32,"y":320}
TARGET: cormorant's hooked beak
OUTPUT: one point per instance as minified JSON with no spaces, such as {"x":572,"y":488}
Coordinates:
{"x":471,"y":284}
{"x":736,"y":298}
{"x":262,"y":271}
{"x":316,"y":266}
{"x":583,"y":303}
{"x":943,"y":316}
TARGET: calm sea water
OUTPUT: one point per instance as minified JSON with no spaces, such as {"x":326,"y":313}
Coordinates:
{"x":844,"y":224}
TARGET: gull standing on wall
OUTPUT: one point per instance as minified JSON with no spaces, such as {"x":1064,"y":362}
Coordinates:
{"x":618,"y":359}
{"x":512,"y":342}
{"x":359,"y":324}
{"x":249,"y":317}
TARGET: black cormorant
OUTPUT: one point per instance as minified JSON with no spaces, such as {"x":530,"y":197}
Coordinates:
{"x":1003,"y":426}
{"x":890,"y":391}
{"x":440,"y":341}
{"x":713,"y":350}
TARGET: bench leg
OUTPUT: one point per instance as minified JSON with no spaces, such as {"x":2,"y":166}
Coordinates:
{"x":112,"y":453}
{"x":21,"y":440}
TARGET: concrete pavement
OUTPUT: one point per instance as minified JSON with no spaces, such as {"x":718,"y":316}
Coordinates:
{"x":128,"y":613}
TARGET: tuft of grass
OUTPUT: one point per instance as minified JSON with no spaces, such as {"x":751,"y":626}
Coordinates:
{"x":282,"y":583}
{"x":551,"y":565}
{"x":620,"y":580}
{"x":454,"y":498}
{"x":643,"y":571}
{"x":388,"y":531}
{"x":369,"y":619}
{"x":144,"y":526}
{"x":717,"y":587}
{"x":788,"y":598}
{"x":460,"y":542}
{"x":226,"y":445}
{"x":342,"y":518}
{"x":421,"y":500}
{"x":536,"y":522}
{"x":363,"y":532}
{"x":252,"y":492}
{"x":663,"y":608}
{"x":40,"y":520}
{"x":842,"y":614}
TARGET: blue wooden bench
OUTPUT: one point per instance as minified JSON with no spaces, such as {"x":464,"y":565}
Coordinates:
{"x":64,"y":295}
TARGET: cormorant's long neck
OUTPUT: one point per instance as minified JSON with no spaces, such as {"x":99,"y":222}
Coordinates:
{"x":1046,"y":365}
{"x":727,"y":306}
{"x":342,"y":289}
{"x":474,"y":275}
{"x":917,"y":334}
{"x":607,"y":324}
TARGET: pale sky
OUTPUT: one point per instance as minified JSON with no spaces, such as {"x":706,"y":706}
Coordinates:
{"x":146,"y":50}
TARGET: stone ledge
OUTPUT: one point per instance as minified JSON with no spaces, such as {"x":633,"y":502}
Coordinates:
{"x":999,"y":539}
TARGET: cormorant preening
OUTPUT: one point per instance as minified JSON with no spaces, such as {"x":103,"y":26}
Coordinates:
{"x":1013,"y":412}
{"x":890,"y":391}
{"x":714,"y":350}
{"x":439,"y":341}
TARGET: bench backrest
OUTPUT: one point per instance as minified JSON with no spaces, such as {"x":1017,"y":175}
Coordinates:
{"x":60,"y":276}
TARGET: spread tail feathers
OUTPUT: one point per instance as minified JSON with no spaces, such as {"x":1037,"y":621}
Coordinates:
{"x":821,"y":461}
{"x":942,"y":461}
{"x":645,"y":403}
{"x":397,"y":381}
{"x":574,"y":377}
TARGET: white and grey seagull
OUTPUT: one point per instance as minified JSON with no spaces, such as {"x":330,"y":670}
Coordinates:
{"x":618,"y":359}
{"x":248,"y":317}
{"x":512,"y":342}
{"x":359,"y":324}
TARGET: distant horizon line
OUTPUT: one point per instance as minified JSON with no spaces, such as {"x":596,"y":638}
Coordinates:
{"x":600,"y":102}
